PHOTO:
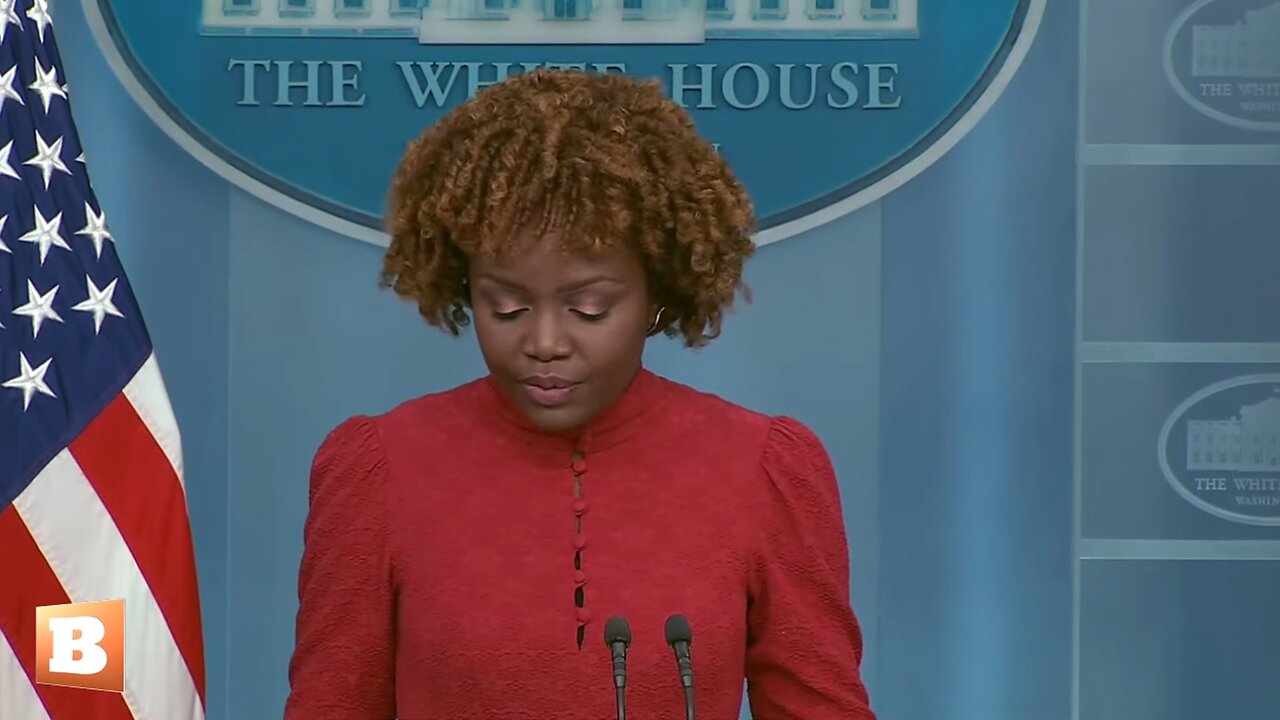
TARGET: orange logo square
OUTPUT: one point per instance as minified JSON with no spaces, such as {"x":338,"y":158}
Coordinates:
{"x":81,"y":645}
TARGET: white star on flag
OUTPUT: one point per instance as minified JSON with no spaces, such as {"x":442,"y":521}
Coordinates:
{"x":9,"y":8}
{"x":7,"y":90}
{"x":47,"y":85}
{"x":31,"y":380}
{"x":48,"y":158}
{"x":99,"y":303}
{"x":39,"y":308}
{"x":6,"y":167}
{"x":46,"y":234}
{"x":39,"y":12}
{"x":4,"y":220}
{"x":95,"y":228}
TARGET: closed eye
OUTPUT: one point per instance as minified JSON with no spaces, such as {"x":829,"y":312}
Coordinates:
{"x":591,"y":317}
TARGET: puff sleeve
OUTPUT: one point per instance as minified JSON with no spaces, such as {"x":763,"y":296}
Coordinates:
{"x":804,"y":650}
{"x":343,"y":664}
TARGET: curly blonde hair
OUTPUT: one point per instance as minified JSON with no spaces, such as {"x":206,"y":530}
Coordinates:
{"x":594,"y":159}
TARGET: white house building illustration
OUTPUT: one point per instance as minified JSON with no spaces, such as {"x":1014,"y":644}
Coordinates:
{"x":541,"y":22}
{"x":1248,"y":49}
{"x":1249,"y":442}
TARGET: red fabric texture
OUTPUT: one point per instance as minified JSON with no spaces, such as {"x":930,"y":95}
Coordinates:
{"x":439,"y":582}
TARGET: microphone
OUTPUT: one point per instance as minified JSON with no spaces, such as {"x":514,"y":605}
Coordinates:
{"x":617,"y":637}
{"x":680,"y":637}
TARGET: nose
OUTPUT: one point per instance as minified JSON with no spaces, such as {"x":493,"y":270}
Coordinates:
{"x":546,"y":339}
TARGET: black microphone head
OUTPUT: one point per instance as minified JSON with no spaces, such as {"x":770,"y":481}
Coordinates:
{"x":678,"y":630}
{"x":616,"y":629}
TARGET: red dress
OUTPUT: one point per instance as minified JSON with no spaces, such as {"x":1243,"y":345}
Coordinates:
{"x":449,"y":543}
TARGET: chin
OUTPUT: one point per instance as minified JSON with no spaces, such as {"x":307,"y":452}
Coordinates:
{"x":558,"y":419}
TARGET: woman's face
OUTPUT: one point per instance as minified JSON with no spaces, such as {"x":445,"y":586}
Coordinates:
{"x":562,"y":334}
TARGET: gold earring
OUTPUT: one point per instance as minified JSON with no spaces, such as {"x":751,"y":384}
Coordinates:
{"x":653,"y":329}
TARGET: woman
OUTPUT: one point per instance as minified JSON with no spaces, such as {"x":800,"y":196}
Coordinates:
{"x":464,"y":550}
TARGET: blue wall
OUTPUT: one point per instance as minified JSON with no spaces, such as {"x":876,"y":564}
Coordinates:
{"x":977,"y":392}
{"x":930,"y":339}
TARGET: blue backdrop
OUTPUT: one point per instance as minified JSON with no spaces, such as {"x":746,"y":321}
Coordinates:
{"x":942,"y":342}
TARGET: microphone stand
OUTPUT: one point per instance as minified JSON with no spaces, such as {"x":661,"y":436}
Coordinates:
{"x":617,"y":637}
{"x":686,"y":679}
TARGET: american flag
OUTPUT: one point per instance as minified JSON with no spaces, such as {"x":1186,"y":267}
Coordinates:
{"x":92,"y":502}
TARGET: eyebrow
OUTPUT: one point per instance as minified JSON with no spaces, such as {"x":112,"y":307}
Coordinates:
{"x":567,"y":288}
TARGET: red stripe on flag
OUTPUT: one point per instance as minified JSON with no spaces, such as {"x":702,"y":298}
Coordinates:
{"x":28,"y":582}
{"x":142,"y":494}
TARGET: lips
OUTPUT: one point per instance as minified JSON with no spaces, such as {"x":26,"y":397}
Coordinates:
{"x":549,"y":382}
{"x":549,"y":390}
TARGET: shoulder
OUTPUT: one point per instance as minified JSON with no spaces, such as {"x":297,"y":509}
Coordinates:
{"x":799,"y":477}
{"x":360,"y":444}
{"x":353,"y":441}
{"x":793,"y":446}
{"x":349,"y":463}
{"x":777,"y":439}
{"x":709,"y":413}
{"x":427,"y":413}
{"x":775,"y":467}
{"x":435,"y":409}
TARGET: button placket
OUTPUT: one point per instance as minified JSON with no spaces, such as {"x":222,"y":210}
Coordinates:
{"x":578,"y":464}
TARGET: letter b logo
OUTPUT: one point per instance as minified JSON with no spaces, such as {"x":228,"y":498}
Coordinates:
{"x":81,"y":645}
{"x":75,"y":645}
